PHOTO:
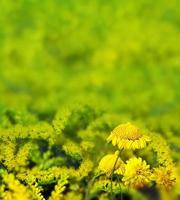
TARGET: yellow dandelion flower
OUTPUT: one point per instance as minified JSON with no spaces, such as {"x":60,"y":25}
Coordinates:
{"x":110,"y":163}
{"x":128,"y":136}
{"x":164,"y":177}
{"x":137,"y":173}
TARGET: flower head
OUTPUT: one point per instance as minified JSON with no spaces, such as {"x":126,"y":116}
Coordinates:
{"x":137,"y":173}
{"x":110,"y":163}
{"x":164,"y":177}
{"x":128,"y":136}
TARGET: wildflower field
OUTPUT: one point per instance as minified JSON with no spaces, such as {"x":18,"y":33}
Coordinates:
{"x":89,"y":100}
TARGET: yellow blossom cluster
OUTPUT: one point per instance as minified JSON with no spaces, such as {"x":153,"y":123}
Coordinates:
{"x":14,"y":190}
{"x":136,"y":172}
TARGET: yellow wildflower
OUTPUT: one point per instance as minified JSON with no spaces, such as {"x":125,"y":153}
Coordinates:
{"x":58,"y":190}
{"x":137,"y":173}
{"x":164,"y":177}
{"x":16,"y":190}
{"x":128,"y":136}
{"x":110,"y":163}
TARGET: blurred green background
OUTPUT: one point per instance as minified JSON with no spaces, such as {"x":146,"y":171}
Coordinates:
{"x":121,"y":55}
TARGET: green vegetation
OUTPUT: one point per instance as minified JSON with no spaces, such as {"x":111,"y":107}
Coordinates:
{"x":70,"y":72}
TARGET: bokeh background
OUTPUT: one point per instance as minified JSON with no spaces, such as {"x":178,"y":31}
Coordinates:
{"x":123,"y":56}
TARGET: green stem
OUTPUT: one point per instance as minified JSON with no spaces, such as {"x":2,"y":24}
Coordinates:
{"x":113,"y":173}
{"x":112,"y":177}
{"x":121,"y":198}
{"x":90,"y":183}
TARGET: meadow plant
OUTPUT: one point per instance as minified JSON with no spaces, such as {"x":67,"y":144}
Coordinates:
{"x":134,"y":172}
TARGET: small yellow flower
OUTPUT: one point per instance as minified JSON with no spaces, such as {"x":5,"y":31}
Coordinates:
{"x":110,"y":163}
{"x":164,"y":177}
{"x":128,"y":136}
{"x":137,"y":173}
{"x":15,"y":190}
